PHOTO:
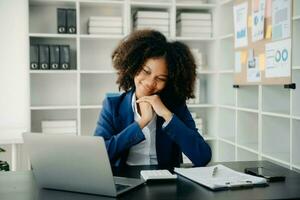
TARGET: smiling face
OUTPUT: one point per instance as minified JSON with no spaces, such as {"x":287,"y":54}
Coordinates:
{"x":152,"y":78}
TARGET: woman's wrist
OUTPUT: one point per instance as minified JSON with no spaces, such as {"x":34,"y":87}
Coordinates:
{"x":142,"y":123}
{"x":167,"y":116}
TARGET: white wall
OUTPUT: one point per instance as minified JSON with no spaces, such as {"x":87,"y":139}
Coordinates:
{"x":14,"y":65}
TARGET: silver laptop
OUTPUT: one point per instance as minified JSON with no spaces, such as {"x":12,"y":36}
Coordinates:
{"x":74,"y":163}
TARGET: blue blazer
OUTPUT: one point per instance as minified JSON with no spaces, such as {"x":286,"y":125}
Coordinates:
{"x":117,"y":126}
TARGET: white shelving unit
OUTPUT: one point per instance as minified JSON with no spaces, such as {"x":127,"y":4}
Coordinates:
{"x":246,"y":123}
{"x":257,"y":122}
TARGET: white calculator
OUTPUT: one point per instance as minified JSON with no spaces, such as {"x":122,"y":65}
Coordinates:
{"x":156,"y":175}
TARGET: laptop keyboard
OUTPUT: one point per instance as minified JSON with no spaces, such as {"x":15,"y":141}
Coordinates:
{"x":120,"y":187}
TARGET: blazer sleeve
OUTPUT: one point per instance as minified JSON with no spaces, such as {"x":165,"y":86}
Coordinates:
{"x":183,"y":132}
{"x":116,"y":142}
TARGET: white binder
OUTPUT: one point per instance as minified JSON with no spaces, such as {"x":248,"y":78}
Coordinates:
{"x":219,"y":177}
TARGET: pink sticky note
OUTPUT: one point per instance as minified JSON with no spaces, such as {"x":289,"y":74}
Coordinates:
{"x":268,"y":8}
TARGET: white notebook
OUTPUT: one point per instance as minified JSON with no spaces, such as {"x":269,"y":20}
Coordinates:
{"x":219,"y":177}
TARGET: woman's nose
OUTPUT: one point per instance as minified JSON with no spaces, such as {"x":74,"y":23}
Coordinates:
{"x":150,"y":83}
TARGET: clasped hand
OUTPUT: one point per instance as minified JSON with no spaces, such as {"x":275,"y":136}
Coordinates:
{"x":150,"y":104}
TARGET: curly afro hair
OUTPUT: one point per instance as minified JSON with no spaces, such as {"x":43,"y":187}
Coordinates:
{"x":135,"y":49}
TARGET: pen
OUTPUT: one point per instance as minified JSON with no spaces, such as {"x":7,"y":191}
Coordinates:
{"x":214,"y":173}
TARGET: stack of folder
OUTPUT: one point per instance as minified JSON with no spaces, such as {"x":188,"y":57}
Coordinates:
{"x":194,"y":24}
{"x":157,"y":20}
{"x":45,"y":57}
{"x":199,"y":58}
{"x":59,"y":127}
{"x":105,"y":25}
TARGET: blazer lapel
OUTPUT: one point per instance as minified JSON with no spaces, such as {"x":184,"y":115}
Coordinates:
{"x":125,"y":114}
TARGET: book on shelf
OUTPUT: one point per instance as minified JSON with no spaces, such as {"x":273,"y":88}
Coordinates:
{"x":71,"y":21}
{"x":105,"y":18}
{"x":105,"y":23}
{"x":193,"y":16}
{"x":44,"y":57}
{"x":194,"y":29}
{"x":34,"y":57}
{"x":149,"y":21}
{"x":198,"y":35}
{"x":198,"y":56}
{"x":59,"y":127}
{"x":61,"y":20}
{"x":54,"y":56}
{"x":64,"y":57}
{"x":105,"y":30}
{"x":156,"y":27}
{"x":190,"y":22}
{"x":151,"y":14}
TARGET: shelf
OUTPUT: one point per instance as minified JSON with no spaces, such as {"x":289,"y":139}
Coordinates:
{"x":89,"y":119}
{"x":296,"y":142}
{"x":94,"y":87}
{"x":91,"y":107}
{"x":53,"y":89}
{"x":208,"y":116}
{"x":247,"y":97}
{"x":38,"y":116}
{"x":201,"y":105}
{"x":226,"y":152}
{"x":209,"y":138}
{"x":226,"y":36}
{"x":97,"y":2}
{"x":180,"y":38}
{"x":227,"y":141}
{"x":53,"y":71}
{"x":98,"y":8}
{"x":102,"y":36}
{"x":53,"y":107}
{"x":190,"y":5}
{"x":271,"y":114}
{"x":95,"y":55}
{"x":276,"y":160}
{"x":98,"y":72}
{"x":247,"y":110}
{"x":245,"y":155}
{"x":296,"y":94}
{"x":227,"y":107}
{"x":71,"y":42}
{"x":247,"y":129}
{"x":276,"y":137}
{"x":203,"y":71}
{"x":296,"y":67}
{"x":52,"y":35}
{"x":226,"y":124}
{"x":225,"y":2}
{"x":226,"y":93}
{"x":61,"y":3}
{"x":135,"y":4}
{"x":296,"y":18}
{"x":251,"y":148}
{"x":276,"y":99}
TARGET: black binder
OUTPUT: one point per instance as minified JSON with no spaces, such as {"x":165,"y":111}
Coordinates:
{"x":64,"y":57}
{"x":54,"y":56}
{"x":34,"y":57}
{"x":61,"y":20}
{"x":44,"y":57}
{"x":71,"y":21}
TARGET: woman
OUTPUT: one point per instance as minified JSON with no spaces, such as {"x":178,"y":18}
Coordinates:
{"x":149,"y":123}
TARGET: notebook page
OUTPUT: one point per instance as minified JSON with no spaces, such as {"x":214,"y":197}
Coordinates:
{"x":224,"y":176}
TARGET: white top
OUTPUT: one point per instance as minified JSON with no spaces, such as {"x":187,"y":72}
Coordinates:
{"x":143,"y":153}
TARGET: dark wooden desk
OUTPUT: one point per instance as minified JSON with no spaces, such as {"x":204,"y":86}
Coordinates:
{"x":21,"y":186}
